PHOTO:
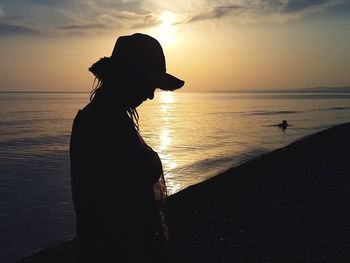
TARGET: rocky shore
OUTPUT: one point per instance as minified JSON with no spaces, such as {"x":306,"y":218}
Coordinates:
{"x":290,"y":205}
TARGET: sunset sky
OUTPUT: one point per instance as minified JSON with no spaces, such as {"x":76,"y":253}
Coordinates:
{"x":48,"y":45}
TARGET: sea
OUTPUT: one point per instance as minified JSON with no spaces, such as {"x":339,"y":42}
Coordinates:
{"x":197,"y":136}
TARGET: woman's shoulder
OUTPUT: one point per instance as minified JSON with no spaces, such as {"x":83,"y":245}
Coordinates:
{"x":101,"y":113}
{"x":104,"y":119}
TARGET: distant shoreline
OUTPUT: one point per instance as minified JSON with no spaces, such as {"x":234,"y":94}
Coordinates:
{"x":45,"y":92}
{"x":345,"y":89}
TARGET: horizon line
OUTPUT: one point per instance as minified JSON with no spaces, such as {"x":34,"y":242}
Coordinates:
{"x":305,"y":89}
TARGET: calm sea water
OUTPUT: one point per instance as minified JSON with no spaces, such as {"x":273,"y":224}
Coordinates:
{"x":196,"y":134}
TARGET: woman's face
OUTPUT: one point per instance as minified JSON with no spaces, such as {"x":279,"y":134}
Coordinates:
{"x":141,"y":94}
{"x":133,"y":88}
{"x":138,"y":90}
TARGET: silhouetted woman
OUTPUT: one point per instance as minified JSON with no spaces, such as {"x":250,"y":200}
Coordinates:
{"x":117,"y":179}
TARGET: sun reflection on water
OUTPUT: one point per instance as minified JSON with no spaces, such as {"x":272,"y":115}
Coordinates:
{"x":167,"y":97}
{"x":165,"y":139}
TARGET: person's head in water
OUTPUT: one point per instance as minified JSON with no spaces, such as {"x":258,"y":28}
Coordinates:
{"x":133,"y":71}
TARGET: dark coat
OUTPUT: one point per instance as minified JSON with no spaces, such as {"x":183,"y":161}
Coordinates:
{"x":112,"y":174}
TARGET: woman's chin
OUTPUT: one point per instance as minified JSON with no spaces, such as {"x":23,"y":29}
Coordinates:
{"x":136,"y":103}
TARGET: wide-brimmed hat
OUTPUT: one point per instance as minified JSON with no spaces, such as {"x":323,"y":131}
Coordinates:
{"x":142,"y":53}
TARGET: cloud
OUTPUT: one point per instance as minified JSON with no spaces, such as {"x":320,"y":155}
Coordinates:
{"x":2,"y":13}
{"x":50,"y":17}
{"x":215,"y":12}
{"x":148,"y":20}
{"x":298,"y":5}
{"x":17,"y":29}
{"x":256,"y":11}
{"x":82,"y":27}
{"x":107,"y":22}
{"x":297,"y":9}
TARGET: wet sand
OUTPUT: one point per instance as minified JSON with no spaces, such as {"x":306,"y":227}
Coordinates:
{"x":290,"y":205}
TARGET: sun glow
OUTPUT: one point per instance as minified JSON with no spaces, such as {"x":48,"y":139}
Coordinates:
{"x":167,"y":97}
{"x":165,"y":32}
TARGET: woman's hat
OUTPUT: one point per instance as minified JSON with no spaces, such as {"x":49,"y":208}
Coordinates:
{"x":142,"y":53}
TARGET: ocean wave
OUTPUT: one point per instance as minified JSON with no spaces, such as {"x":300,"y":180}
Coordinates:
{"x":253,"y":113}
{"x":301,"y":96}
{"x":20,"y":143}
{"x":263,"y":113}
{"x":216,"y":164}
{"x":339,"y":108}
{"x":267,"y":113}
{"x":28,"y":122}
{"x":329,"y":109}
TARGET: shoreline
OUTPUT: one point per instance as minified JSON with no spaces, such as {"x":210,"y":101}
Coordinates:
{"x":288,"y":205}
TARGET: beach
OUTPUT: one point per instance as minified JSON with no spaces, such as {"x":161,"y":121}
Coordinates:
{"x":289,"y":205}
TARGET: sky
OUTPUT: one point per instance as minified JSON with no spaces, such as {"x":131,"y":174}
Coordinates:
{"x":221,"y":45}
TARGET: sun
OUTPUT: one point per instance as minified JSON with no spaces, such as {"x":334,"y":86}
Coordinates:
{"x":167,"y":18}
{"x":166,"y":30}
